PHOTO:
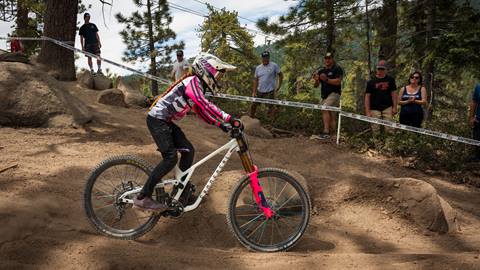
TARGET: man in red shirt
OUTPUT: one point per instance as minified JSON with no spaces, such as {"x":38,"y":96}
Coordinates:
{"x":16,"y":46}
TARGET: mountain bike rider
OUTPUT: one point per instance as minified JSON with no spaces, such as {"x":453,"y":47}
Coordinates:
{"x":184,"y":95}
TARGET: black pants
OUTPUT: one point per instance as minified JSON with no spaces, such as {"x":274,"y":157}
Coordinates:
{"x":169,"y":139}
{"x":412,"y":119}
{"x":476,"y":136}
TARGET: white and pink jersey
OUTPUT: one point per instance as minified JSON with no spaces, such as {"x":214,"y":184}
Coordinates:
{"x":187,"y":95}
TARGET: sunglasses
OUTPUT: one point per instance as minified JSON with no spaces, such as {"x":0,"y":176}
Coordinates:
{"x":415,"y":77}
{"x":382,"y":69}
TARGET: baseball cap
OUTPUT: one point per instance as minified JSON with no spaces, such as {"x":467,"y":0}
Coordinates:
{"x":180,"y":52}
{"x":328,"y":55}
{"x":86,"y":14}
{"x":266,"y":54}
{"x":381,"y":64}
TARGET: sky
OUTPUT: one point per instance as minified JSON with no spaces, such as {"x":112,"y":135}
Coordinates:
{"x":184,"y":24}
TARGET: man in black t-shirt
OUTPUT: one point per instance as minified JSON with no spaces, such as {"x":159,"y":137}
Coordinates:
{"x":90,"y":41}
{"x":381,"y":95}
{"x":330,"y":77}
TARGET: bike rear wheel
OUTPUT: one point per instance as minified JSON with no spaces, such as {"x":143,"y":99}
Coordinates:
{"x":285,"y":196}
{"x":111,"y":178}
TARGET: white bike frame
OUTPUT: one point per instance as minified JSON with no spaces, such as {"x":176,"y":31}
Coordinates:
{"x":231,"y":146}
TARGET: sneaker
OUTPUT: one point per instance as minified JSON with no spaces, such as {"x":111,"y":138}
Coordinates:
{"x":92,"y":72}
{"x":321,"y":136}
{"x":99,"y":71}
{"x":148,"y":204}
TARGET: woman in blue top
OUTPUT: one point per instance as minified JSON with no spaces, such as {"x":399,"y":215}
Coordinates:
{"x":412,"y":97}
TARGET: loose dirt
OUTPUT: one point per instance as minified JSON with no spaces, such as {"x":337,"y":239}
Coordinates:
{"x":43,"y":225}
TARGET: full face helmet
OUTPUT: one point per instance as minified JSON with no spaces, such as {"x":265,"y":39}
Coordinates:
{"x":210,"y":69}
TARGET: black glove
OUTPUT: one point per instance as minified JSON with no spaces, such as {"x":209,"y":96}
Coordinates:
{"x":226,"y":127}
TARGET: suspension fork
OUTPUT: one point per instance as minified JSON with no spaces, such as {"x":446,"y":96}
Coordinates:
{"x":252,"y":171}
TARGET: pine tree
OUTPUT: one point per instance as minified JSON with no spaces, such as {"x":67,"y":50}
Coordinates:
{"x":223,"y":36}
{"x":146,"y":35}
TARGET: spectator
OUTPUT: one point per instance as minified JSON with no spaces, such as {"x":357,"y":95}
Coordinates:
{"x":381,"y":95}
{"x":264,"y":85}
{"x":330,"y":77}
{"x":474,"y":120}
{"x":16,"y":45}
{"x":90,"y":41}
{"x":412,"y":97}
{"x":180,"y":67}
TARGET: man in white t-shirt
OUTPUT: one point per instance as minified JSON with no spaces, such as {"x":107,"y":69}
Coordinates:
{"x":265,"y":84}
{"x":180,"y":67}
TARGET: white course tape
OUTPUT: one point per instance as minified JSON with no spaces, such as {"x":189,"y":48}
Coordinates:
{"x":276,"y":102}
{"x":412,"y":129}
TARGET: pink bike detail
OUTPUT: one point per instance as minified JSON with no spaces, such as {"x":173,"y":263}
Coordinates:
{"x":258,"y":194}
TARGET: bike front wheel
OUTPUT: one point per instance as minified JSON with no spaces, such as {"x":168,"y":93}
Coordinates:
{"x":289,"y":202}
{"x":105,"y":184}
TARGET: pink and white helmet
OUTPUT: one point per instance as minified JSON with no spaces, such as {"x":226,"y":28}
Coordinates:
{"x":210,"y":69}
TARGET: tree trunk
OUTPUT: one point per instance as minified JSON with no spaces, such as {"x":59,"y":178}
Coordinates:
{"x":22,"y":18}
{"x":430,"y":61}
{"x":60,"y":23}
{"x":151,"y":47}
{"x":330,"y":25}
{"x":388,"y":34}
{"x":418,"y":19}
{"x":369,"y":49}
{"x":360,"y":85}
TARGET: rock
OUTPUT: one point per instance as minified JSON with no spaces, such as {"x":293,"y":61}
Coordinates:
{"x":254,"y":128}
{"x":101,"y":82}
{"x":25,"y":99}
{"x":86,"y":80}
{"x":113,"y":97}
{"x":29,"y":97}
{"x":133,"y":96}
{"x":424,"y":206}
{"x":14,"y":57}
{"x":61,"y":121}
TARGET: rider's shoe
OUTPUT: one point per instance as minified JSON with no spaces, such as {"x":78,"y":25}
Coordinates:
{"x":148,"y":204}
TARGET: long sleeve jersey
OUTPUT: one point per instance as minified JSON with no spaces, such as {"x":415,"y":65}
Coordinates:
{"x":185,"y":96}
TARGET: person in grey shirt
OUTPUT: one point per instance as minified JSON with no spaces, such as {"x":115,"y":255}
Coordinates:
{"x":264,"y":85}
{"x":180,"y":67}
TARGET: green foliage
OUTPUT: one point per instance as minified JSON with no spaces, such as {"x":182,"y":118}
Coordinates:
{"x":453,"y":52}
{"x":147,"y":34}
{"x":223,"y":36}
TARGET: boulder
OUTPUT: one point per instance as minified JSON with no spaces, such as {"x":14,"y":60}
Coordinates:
{"x":421,"y":202}
{"x":254,"y":128}
{"x":85,"y":79}
{"x":14,"y":57}
{"x":113,"y":97}
{"x":133,"y":96}
{"x":101,"y":82}
{"x":29,"y":97}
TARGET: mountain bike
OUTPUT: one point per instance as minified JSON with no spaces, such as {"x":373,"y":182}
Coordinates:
{"x":268,"y":209}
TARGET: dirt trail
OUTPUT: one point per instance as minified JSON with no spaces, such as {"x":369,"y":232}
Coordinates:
{"x":43,"y":225}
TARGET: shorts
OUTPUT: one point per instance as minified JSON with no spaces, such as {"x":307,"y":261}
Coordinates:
{"x":92,"y":48}
{"x":332,"y":100}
